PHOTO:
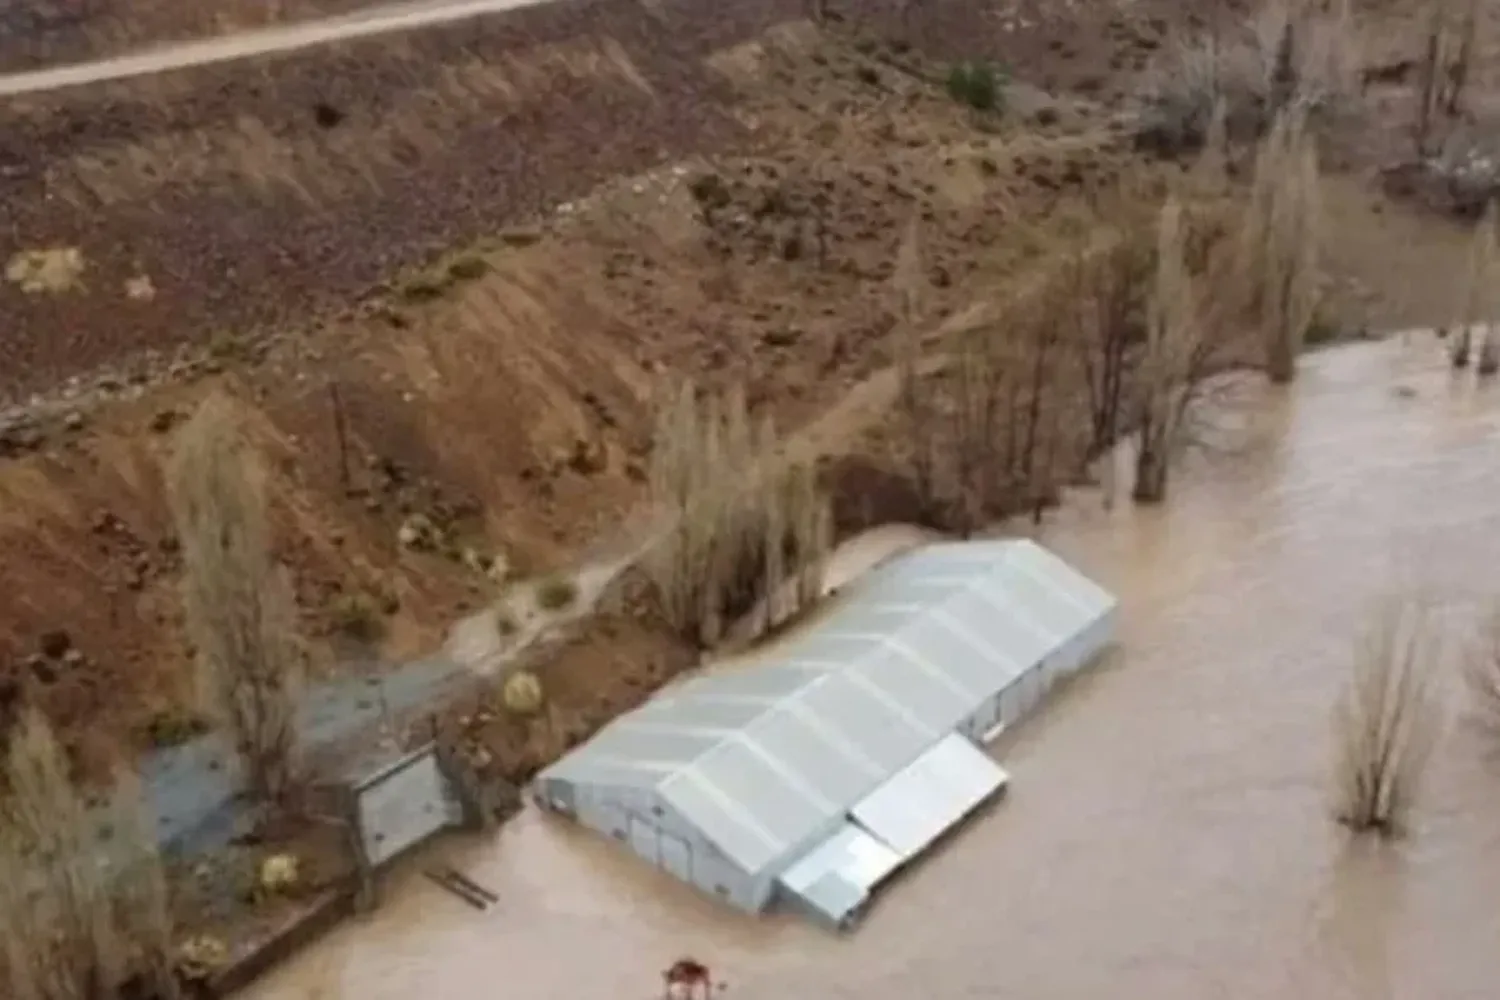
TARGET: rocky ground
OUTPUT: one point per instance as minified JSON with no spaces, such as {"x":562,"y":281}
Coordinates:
{"x":447,"y":275}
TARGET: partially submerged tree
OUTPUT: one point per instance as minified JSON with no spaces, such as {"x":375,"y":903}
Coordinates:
{"x":1478,"y":302}
{"x":1386,"y":721}
{"x":1279,"y":235}
{"x":238,"y":605}
{"x":1174,"y":362}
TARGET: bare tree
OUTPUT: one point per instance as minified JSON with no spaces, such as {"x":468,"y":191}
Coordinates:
{"x":917,"y":409}
{"x":65,"y":935}
{"x":1478,"y":301}
{"x":1386,"y":723}
{"x":1279,"y":233}
{"x":237,"y":600}
{"x":1175,"y":360}
{"x":748,"y":527}
{"x":143,"y":899}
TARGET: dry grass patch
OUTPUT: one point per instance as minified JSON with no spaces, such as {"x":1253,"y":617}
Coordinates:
{"x":1386,"y":721}
{"x":39,"y":272}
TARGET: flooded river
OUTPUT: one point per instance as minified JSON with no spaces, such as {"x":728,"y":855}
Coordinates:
{"x":1167,"y":832}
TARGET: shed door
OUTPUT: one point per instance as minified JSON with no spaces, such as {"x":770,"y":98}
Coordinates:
{"x":643,"y":839}
{"x":674,"y":856}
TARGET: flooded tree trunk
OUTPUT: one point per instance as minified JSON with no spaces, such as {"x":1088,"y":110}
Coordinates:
{"x":1150,"y":473}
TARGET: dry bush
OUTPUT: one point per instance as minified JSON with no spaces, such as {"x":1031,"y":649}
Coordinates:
{"x":1386,"y":722}
{"x":83,"y":904}
{"x":1291,"y":55}
{"x":747,"y":524}
{"x":1279,"y":235}
{"x":237,"y":601}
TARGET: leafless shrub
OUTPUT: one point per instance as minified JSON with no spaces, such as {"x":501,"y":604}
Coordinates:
{"x":1279,"y":235}
{"x":238,"y":605}
{"x":748,"y":525}
{"x":82,"y":902}
{"x":1290,"y":56}
{"x":1386,"y":722}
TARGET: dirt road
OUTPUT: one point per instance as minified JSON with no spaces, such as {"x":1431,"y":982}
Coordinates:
{"x":285,"y":38}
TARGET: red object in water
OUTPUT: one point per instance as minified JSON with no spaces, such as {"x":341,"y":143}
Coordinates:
{"x":685,"y":978}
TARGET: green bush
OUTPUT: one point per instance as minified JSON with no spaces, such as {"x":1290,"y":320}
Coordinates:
{"x":358,"y":616}
{"x":976,"y":84}
{"x":556,"y":593}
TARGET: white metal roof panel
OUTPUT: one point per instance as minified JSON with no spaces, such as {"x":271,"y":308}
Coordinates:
{"x":721,"y":714}
{"x":930,"y":795}
{"x":768,"y":682}
{"x":924,"y":688}
{"x":830,"y":763}
{"x":731,"y":826}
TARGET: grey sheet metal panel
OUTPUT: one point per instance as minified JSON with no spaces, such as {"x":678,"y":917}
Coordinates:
{"x":835,"y":878}
{"x":929,"y":796}
{"x":734,"y":828}
{"x":676,"y":859}
{"x":829,"y":763}
{"x":403,"y":805}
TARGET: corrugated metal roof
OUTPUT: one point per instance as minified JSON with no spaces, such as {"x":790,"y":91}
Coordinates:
{"x":891,"y":826}
{"x":761,"y":757}
{"x":929,"y":795}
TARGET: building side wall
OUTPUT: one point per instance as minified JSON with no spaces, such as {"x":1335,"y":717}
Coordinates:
{"x":637,"y":820}
{"x":1026,"y":693}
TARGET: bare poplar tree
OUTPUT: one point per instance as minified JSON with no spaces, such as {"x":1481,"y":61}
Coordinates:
{"x":62,"y":936}
{"x":1174,"y":361}
{"x":238,"y":604}
{"x":1279,"y":237}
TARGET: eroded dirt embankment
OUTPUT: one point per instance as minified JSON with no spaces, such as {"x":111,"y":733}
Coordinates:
{"x":268,"y":191}
{"x":254,"y":193}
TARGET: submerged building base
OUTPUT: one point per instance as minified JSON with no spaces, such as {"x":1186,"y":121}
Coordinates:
{"x":833,"y":882}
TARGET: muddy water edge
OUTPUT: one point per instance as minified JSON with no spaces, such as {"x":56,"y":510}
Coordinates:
{"x":1168,"y":833}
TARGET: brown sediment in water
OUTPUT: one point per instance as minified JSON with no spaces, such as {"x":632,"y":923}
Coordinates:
{"x":1168,"y":834}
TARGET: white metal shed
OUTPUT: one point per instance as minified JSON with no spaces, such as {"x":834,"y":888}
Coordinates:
{"x":811,"y":774}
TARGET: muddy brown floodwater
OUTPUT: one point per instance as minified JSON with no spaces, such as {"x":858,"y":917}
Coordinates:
{"x":1167,"y":832}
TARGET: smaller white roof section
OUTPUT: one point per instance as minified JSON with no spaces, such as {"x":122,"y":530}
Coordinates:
{"x":929,"y":796}
{"x":891,"y":826}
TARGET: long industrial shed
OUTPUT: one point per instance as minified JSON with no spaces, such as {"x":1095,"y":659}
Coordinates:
{"x":806,"y":777}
